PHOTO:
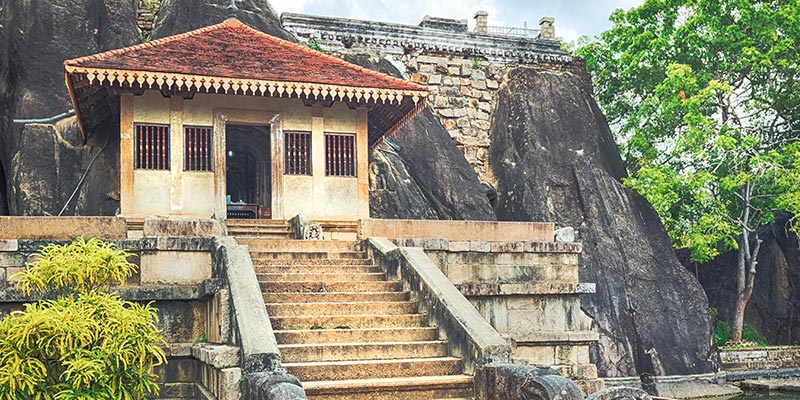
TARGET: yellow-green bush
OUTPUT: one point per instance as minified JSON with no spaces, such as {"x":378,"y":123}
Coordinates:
{"x":87,"y":344}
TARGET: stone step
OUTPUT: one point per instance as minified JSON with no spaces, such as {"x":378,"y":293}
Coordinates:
{"x":300,"y":269}
{"x":308,"y":255}
{"x":345,"y":322}
{"x":331,"y":287}
{"x":321,"y":277}
{"x":313,"y":352}
{"x":250,"y":231}
{"x":422,"y":387}
{"x":371,"y":369}
{"x":263,"y":236}
{"x":335,"y":297}
{"x":373,"y":335}
{"x":300,"y":245}
{"x":329,"y":309}
{"x":329,"y":262}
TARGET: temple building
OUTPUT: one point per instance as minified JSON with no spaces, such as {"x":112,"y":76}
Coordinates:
{"x":229,"y":122}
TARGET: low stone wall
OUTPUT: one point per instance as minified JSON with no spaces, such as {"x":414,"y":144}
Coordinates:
{"x":530,"y":293}
{"x":461,"y":231}
{"x":762,"y":358}
{"x":62,"y":228}
{"x":175,"y":275}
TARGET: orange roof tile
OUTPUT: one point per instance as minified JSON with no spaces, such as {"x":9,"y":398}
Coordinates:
{"x":232,"y":49}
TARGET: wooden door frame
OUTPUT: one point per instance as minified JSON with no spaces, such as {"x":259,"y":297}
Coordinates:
{"x":273,"y":120}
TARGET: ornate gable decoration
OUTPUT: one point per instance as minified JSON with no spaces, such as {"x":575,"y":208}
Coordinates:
{"x":233,"y":58}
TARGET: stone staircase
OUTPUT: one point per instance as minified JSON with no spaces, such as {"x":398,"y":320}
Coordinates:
{"x":250,"y":230}
{"x":343,"y":328}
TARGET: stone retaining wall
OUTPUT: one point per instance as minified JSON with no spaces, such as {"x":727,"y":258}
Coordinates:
{"x":763,"y":358}
{"x":175,"y":274}
{"x":529,"y":292}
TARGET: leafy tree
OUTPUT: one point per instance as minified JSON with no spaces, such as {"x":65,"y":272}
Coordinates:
{"x":705,"y":101}
{"x":86,"y":344}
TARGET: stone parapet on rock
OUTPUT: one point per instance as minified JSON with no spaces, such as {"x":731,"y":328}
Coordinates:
{"x":760,"y":358}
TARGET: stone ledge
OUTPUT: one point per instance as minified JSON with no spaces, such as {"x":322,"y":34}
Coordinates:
{"x":8,"y":245}
{"x":135,"y":293}
{"x":217,"y":356}
{"x":62,"y":227}
{"x":556,"y":338}
{"x":482,"y":246}
{"x":475,"y":289}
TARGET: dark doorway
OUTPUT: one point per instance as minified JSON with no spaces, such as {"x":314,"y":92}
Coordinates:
{"x":3,"y":197}
{"x":249,"y":173}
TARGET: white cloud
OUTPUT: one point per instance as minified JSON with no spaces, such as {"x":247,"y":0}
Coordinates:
{"x":295,"y":6}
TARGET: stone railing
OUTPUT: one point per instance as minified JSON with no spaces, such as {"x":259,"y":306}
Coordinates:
{"x":260,"y":356}
{"x":357,"y":36}
{"x":477,"y":342}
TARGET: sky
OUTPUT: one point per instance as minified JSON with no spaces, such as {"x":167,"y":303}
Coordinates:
{"x":574,"y":18}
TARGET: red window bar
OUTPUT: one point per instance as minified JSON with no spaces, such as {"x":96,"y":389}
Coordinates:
{"x":198,"y":150}
{"x":340,"y":151}
{"x":151,"y":147}
{"x":298,"y":153}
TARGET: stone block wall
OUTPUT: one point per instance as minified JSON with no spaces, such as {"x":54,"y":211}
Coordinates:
{"x":762,"y":358}
{"x":530,"y":293}
{"x":193,"y":309}
{"x":462,"y":93}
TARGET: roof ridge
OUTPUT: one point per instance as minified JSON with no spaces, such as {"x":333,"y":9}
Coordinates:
{"x":168,"y":39}
{"x":306,"y":49}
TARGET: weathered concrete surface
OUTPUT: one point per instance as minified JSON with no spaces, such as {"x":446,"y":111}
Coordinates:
{"x":54,"y":228}
{"x":178,"y":16}
{"x":164,"y":226}
{"x":482,"y":231}
{"x":774,"y":309}
{"x":555,"y":160}
{"x":175,"y":267}
{"x":437,"y":166}
{"x":619,"y":393}
{"x":259,"y":347}
{"x":773,"y":385}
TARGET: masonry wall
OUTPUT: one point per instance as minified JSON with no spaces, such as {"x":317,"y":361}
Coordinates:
{"x":177,"y":274}
{"x":763,"y":358}
{"x":530,"y":293}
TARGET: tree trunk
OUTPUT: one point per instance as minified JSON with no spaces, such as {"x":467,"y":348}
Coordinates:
{"x":745,"y":281}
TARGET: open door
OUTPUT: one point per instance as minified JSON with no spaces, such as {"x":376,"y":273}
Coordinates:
{"x":249,"y":175}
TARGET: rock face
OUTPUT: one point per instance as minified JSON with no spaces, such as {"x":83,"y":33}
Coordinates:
{"x":774,"y":308}
{"x":36,"y":38}
{"x":555,"y":160}
{"x":437,"y":167}
{"x":393,"y":193}
{"x":178,"y":16}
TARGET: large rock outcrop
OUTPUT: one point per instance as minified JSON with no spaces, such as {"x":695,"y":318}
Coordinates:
{"x":42,"y":163}
{"x":555,"y":160}
{"x":774,"y":309}
{"x":437,"y":167}
{"x":178,"y":16}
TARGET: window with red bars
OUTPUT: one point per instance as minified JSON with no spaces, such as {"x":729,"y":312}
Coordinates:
{"x":297,"y":153}
{"x":340,"y":153}
{"x":197,"y":149}
{"x":151,"y":147}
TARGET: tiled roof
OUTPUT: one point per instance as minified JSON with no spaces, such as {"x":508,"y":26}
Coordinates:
{"x":232,"y":49}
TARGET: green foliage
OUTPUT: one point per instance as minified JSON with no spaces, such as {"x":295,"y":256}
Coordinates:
{"x":313,"y":44}
{"x":87,"y":344}
{"x":705,"y":99}
{"x":476,"y":62}
{"x":723,"y":333}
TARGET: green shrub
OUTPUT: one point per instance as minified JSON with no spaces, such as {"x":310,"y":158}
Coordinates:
{"x":723,"y":333}
{"x":87,"y":344}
